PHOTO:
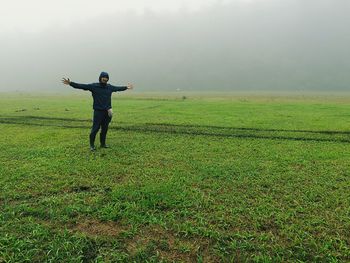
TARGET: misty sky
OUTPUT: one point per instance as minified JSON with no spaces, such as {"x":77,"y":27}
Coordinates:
{"x":163,"y":45}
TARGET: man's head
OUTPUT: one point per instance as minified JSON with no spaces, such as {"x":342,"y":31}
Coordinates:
{"x":104,"y":77}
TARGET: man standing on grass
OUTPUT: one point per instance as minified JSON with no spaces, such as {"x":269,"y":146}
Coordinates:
{"x":101,"y":93}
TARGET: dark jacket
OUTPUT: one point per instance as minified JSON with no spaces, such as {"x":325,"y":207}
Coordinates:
{"x":101,"y":93}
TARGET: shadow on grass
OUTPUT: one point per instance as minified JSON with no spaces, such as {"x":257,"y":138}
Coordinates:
{"x":188,"y":129}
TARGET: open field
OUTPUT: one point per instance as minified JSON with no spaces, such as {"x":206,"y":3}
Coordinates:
{"x":201,"y":179}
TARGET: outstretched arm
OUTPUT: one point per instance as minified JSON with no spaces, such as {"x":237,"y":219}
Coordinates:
{"x":122,"y":88}
{"x":76,"y":85}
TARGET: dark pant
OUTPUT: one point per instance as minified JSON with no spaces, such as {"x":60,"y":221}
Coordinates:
{"x":101,"y":119}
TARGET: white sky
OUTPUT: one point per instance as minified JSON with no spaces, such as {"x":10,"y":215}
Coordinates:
{"x":36,"y":15}
{"x":221,"y":44}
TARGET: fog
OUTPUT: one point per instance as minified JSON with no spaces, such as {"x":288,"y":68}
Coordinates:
{"x":266,"y":45}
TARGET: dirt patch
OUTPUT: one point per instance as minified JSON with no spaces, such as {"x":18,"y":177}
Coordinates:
{"x":170,"y":246}
{"x":89,"y":227}
{"x":81,"y":188}
{"x":93,"y":227}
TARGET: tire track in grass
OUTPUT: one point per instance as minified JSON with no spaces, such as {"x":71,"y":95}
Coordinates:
{"x":192,"y":130}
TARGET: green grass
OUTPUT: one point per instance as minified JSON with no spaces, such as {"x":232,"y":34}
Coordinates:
{"x":205,"y":179}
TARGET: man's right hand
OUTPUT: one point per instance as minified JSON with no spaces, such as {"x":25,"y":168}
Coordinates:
{"x":66,"y":81}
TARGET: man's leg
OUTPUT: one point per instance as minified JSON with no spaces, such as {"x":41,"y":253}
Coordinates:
{"x":104,"y":129}
{"x":97,"y":120}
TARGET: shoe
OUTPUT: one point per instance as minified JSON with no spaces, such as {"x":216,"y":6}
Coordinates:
{"x":92,"y":148}
{"x":104,"y":146}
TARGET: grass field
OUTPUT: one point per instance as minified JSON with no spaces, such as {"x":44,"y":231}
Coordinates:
{"x":201,"y":179}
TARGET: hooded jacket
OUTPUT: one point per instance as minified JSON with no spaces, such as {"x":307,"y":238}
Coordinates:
{"x":101,"y":92}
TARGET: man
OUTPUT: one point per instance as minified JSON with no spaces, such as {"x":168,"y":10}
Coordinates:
{"x":101,"y":93}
